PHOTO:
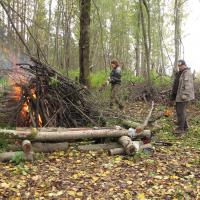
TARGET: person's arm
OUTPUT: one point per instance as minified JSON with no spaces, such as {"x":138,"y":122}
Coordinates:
{"x":174,"y":87}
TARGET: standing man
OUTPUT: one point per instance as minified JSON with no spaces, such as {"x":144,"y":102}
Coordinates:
{"x":182,"y":93}
{"x":115,"y":81}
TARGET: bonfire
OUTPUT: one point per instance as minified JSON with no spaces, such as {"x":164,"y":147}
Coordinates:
{"x":39,"y":96}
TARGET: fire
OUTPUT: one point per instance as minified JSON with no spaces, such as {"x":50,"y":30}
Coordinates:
{"x":40,"y":120}
{"x":25,"y":107}
{"x":25,"y":113}
{"x":33,"y":92}
{"x":18,"y":92}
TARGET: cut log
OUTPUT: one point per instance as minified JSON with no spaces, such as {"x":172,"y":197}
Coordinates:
{"x":99,"y":147}
{"x":39,"y":147}
{"x":121,"y":151}
{"x":133,"y":134}
{"x":130,"y":124}
{"x":127,"y":143}
{"x":66,"y":135}
{"x":8,"y":156}
{"x":116,"y":151}
{"x":26,"y":146}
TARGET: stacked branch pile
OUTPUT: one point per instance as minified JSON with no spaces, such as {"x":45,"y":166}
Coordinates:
{"x":52,"y":100}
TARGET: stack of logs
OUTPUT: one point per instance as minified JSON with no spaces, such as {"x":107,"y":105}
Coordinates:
{"x":52,"y":139}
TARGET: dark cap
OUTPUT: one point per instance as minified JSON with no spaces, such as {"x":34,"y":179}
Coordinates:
{"x":181,"y":62}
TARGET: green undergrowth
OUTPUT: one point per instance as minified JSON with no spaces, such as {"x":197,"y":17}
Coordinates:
{"x":190,"y":139}
{"x":97,"y":78}
{"x":3,"y":144}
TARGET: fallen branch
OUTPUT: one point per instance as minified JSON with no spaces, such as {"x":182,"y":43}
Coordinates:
{"x":145,"y":123}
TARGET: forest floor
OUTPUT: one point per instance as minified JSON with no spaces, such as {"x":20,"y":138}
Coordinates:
{"x":172,"y":172}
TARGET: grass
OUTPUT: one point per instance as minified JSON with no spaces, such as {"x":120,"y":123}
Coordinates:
{"x":97,"y":78}
{"x":3,"y":85}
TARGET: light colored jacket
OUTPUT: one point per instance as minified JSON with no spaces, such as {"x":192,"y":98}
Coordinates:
{"x":186,"y":87}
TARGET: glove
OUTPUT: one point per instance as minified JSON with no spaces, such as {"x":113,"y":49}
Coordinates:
{"x":107,"y":82}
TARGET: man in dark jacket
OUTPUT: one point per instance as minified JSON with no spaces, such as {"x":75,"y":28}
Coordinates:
{"x":182,"y":93}
{"x":115,"y":81}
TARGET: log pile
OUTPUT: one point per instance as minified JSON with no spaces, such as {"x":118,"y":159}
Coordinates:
{"x":46,"y":98}
{"x":53,"y":139}
{"x":49,"y":140}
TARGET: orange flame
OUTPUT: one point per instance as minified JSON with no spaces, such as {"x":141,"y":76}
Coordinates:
{"x":40,"y":120}
{"x":17,"y":92}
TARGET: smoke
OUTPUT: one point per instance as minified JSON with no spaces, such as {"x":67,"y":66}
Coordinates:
{"x":9,"y":68}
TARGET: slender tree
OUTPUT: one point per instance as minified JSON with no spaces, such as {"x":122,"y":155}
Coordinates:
{"x":84,"y":42}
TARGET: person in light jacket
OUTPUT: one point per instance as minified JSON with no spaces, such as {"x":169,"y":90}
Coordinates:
{"x":182,"y":93}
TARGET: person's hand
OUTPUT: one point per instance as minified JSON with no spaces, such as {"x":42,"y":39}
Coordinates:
{"x":107,"y":82}
{"x":183,"y":97}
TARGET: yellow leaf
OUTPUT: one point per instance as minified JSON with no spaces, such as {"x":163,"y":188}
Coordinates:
{"x":129,"y":182}
{"x":174,"y":177}
{"x":4,"y":185}
{"x":80,"y":194}
{"x":141,"y":196}
{"x":118,"y":159}
{"x":94,"y":178}
{"x":128,"y":194}
{"x":111,"y":189}
{"x":75,"y":176}
{"x":188,"y":165}
{"x":71,"y":193}
{"x":62,"y":153}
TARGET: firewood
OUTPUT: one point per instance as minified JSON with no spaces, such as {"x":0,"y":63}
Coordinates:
{"x":26,"y":146}
{"x":127,"y":144}
{"x":116,"y":151}
{"x":122,"y":151}
{"x":8,"y":156}
{"x":98,"y":147}
{"x":67,"y":134}
{"x":39,"y":147}
{"x":130,"y":124}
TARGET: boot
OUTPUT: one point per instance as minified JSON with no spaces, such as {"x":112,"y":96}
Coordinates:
{"x":179,"y":131}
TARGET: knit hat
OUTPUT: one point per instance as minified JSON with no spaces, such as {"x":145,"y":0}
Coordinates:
{"x":181,"y":62}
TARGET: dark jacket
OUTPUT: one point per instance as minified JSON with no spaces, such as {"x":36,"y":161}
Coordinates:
{"x":183,"y":87}
{"x":115,"y":76}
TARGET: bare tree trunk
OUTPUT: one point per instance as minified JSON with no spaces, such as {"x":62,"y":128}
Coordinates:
{"x":137,"y":47}
{"x":56,"y":54}
{"x":147,"y":37}
{"x":176,"y":33}
{"x":160,"y":27}
{"x":49,"y":28}
{"x":84,"y":47}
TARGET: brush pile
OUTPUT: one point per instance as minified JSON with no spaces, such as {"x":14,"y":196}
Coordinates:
{"x":41,"y":96}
